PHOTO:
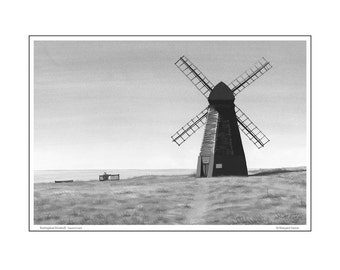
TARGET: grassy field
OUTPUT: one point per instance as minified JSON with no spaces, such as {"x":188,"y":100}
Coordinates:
{"x":266,"y":197}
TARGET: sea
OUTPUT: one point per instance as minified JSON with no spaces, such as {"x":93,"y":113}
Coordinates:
{"x":46,"y":176}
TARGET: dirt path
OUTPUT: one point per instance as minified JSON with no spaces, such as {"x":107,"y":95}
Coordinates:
{"x":199,"y":205}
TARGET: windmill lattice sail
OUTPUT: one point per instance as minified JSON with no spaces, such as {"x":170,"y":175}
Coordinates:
{"x":250,"y":129}
{"x":190,"y":128}
{"x":195,"y":76}
{"x":249,"y":76}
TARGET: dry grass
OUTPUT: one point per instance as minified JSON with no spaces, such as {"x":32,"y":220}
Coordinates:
{"x":142,"y":200}
{"x":264,"y":198}
{"x":259,"y":199}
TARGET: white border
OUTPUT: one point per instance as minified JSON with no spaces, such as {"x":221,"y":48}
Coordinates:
{"x":306,"y":227}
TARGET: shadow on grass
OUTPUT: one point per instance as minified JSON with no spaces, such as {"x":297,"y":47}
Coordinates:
{"x":276,"y":171}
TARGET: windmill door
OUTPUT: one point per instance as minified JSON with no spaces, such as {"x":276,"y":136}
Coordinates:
{"x":205,"y":166}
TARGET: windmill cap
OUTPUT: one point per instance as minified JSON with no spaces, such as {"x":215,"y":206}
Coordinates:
{"x":221,"y":92}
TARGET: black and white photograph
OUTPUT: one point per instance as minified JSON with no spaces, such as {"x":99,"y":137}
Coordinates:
{"x":170,"y":133}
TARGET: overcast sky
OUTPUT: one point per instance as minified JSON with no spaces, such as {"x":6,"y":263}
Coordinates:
{"x":115,"y":104}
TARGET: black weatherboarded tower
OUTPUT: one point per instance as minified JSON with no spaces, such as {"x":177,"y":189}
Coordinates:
{"x":221,"y":151}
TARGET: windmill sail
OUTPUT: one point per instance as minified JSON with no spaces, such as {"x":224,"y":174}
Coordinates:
{"x":190,"y":128}
{"x":249,"y":76}
{"x":195,"y":76}
{"x":250,"y":129}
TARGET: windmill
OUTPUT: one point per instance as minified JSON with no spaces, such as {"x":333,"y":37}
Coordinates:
{"x":221,"y":151}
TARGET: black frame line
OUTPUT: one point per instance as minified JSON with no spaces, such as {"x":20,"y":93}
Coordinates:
{"x":217,"y":36}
